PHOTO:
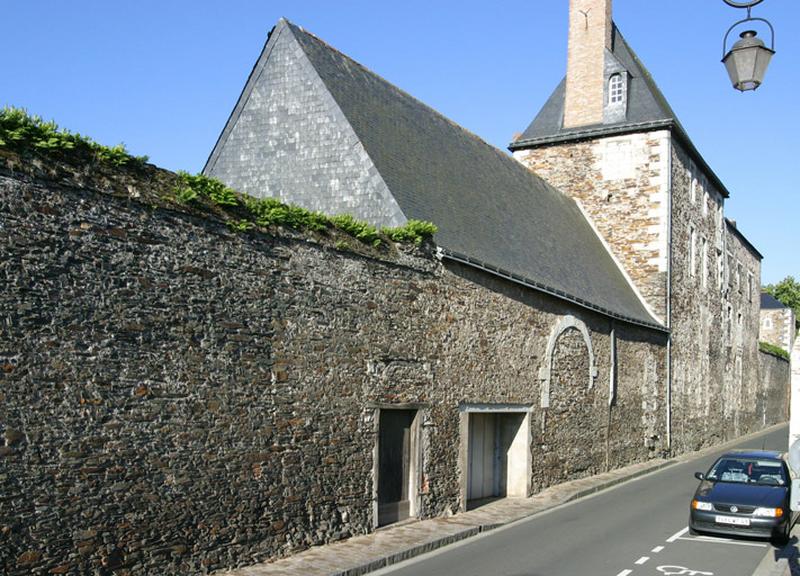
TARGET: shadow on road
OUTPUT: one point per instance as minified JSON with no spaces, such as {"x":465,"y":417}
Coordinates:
{"x":789,"y":553}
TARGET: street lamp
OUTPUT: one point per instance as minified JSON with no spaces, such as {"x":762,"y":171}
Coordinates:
{"x":748,"y":58}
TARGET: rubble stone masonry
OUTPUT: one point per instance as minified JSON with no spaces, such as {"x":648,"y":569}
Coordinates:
{"x":177,"y":398}
{"x":622,"y":184}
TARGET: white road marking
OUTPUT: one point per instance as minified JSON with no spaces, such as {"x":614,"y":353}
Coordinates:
{"x":714,"y":540}
{"x":681,"y":571}
{"x":657,"y":549}
{"x":678,"y":534}
{"x":642,"y":560}
{"x":625,"y":573}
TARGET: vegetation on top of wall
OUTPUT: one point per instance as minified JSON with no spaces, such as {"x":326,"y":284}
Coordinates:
{"x":19,"y":131}
{"x":250,"y":212}
{"x":25,"y":134}
{"x":772,"y":349}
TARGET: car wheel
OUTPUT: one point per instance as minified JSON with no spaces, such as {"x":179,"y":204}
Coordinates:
{"x":693,"y":532}
{"x":782,"y":539}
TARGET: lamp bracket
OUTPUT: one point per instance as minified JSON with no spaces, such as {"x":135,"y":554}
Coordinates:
{"x":748,"y":19}
{"x":739,"y":4}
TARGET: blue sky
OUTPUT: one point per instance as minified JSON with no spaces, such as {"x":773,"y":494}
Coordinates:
{"x":162,"y":77}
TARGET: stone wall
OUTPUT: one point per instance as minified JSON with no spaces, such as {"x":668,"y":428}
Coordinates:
{"x":715,"y":291}
{"x":622,"y":183}
{"x":775,"y":403}
{"x":178,"y":398}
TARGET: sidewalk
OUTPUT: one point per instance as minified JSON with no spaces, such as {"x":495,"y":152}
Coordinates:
{"x":784,"y":561}
{"x":393,"y":544}
{"x":363,"y":554}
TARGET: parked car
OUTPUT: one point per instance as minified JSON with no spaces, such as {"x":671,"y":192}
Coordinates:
{"x":745,"y":492}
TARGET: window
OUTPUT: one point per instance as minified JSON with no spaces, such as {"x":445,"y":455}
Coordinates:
{"x":692,"y":243}
{"x":693,"y":195}
{"x":767,"y":322}
{"x":720,"y":269}
{"x":704,"y":262}
{"x":705,"y":201}
{"x":749,"y":286}
{"x":739,"y":277}
{"x":616,"y":89}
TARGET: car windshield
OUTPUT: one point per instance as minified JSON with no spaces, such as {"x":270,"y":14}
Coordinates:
{"x":748,"y":471}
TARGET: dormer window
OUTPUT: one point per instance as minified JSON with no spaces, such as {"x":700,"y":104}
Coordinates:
{"x":616,"y":89}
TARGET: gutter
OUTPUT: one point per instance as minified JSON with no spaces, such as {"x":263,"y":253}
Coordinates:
{"x":669,"y":304}
{"x":444,"y":253}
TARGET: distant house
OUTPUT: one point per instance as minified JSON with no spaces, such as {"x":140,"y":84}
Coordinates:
{"x":777,"y":323}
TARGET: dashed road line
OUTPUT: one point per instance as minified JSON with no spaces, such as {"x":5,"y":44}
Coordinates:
{"x":625,"y":573}
{"x":642,"y":560}
{"x":657,"y":549}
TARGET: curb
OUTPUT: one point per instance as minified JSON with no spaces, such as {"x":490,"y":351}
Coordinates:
{"x":779,"y":561}
{"x":476,"y":530}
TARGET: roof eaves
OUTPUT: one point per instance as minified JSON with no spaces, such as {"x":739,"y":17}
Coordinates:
{"x":533,"y":284}
{"x":590,"y":133}
{"x":620,"y":129}
{"x":733,"y":228}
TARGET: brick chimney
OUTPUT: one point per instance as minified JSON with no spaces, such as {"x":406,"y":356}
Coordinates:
{"x":590,"y":30}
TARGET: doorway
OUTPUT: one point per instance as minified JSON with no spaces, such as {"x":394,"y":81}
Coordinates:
{"x":497,"y":454}
{"x":397,"y":465}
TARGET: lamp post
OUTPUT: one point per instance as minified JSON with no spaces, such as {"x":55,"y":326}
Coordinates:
{"x":747,"y":60}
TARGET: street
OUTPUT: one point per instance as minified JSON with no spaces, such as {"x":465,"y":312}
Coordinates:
{"x":636,"y":529}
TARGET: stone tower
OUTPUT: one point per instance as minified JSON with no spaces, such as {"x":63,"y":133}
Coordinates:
{"x":608,"y":138}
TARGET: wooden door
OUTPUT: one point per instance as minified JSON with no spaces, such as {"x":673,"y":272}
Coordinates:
{"x":394,"y":465}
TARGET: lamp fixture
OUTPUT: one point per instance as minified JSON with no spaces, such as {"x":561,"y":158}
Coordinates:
{"x":748,"y":58}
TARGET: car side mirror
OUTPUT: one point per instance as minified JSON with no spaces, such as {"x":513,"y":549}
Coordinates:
{"x":699,"y":475}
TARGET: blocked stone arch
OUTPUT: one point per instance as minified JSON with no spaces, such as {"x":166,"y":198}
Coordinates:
{"x":546,"y":370}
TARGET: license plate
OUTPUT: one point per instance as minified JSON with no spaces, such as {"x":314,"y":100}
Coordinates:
{"x":732,"y":520}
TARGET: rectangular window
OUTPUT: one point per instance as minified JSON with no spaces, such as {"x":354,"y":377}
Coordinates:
{"x":720,"y":269}
{"x":692,"y":248}
{"x":750,"y":286}
{"x":704,"y":262}
{"x":739,"y":277}
{"x":616,"y":89}
{"x":730,"y":270}
{"x":705,"y":199}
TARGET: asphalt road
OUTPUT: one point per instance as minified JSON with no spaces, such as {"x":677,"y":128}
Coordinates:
{"x":636,"y":529}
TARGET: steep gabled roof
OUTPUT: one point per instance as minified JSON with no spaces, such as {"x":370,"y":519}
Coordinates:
{"x":769,"y":302}
{"x":646,"y":104}
{"x":647,"y":109}
{"x":491,"y":211}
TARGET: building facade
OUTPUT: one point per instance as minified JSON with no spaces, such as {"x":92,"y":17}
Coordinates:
{"x":660,"y":209}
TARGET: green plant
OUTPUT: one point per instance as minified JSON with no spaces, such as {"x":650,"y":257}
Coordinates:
{"x":413,"y":231}
{"x":366,"y":233}
{"x":20,"y":131}
{"x":772,"y":349}
{"x":201,"y":185}
{"x":240,"y":225}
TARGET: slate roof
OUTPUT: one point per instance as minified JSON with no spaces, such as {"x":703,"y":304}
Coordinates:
{"x":769,"y":302}
{"x":647,"y":110}
{"x":491,"y":211}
